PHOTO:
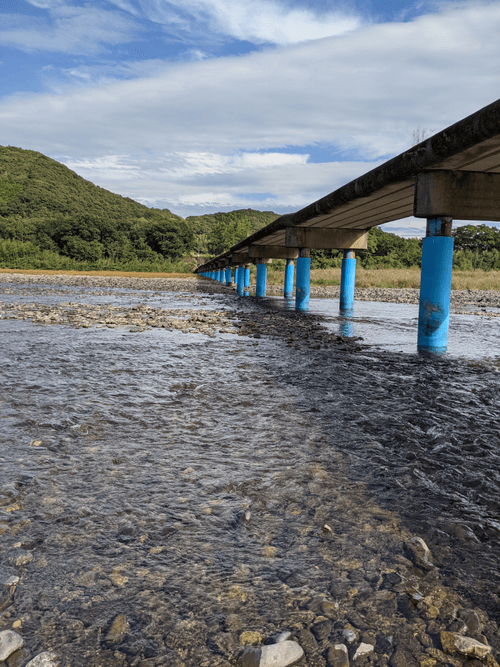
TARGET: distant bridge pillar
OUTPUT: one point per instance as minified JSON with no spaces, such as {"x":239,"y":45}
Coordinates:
{"x":222,"y":276}
{"x":228,"y":276}
{"x":241,"y":280}
{"x":347,"y":281}
{"x":247,"y":280}
{"x":435,"y":286}
{"x":289,"y":271}
{"x":260,"y":289}
{"x":303,"y":281}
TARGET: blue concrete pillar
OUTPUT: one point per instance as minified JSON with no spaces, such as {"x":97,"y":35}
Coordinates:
{"x":435,"y":286}
{"x":347,"y":281}
{"x":241,"y":279}
{"x":260,"y":288}
{"x":303,"y":281}
{"x":228,"y":276}
{"x":247,"y":275}
{"x":289,"y":270}
{"x":222,"y":277}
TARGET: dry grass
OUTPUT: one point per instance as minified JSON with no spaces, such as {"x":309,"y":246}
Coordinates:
{"x":473,"y":280}
{"x":112,"y":274}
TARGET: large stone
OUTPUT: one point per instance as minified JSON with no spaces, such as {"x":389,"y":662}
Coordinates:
{"x":118,"y":631}
{"x":454,"y":643}
{"x":338,"y":656}
{"x":363,"y":651}
{"x":9,"y":642}
{"x":45,"y":659}
{"x":280,"y":655}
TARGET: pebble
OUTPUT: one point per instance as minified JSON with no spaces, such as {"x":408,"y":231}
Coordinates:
{"x":11,"y":581}
{"x":9,"y":643}
{"x":349,"y":635}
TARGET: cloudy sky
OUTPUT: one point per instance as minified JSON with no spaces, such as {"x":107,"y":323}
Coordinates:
{"x":212,"y":105}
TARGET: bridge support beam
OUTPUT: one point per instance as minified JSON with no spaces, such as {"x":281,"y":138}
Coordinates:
{"x":435,"y":286}
{"x":347,"y":281}
{"x":289,"y":271}
{"x":228,"y":276}
{"x":241,"y":280}
{"x":260,"y":289}
{"x":303,"y":282}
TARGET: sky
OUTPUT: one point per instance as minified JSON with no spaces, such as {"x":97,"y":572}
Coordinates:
{"x":201,"y":106}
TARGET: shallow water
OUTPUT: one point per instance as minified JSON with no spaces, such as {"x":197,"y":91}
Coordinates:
{"x":129,"y":461}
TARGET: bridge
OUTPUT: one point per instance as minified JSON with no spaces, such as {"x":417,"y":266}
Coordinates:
{"x":455,"y":174}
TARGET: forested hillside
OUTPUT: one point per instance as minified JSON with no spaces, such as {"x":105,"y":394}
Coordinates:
{"x":54,"y":219}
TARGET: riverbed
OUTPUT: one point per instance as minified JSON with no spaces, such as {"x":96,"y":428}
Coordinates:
{"x":185,"y":473}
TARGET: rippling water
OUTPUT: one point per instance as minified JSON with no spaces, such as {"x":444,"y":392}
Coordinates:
{"x":129,"y":461}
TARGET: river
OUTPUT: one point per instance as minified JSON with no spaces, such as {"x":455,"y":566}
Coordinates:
{"x":168,"y":496}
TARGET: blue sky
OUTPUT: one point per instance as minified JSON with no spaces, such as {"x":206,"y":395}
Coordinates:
{"x":208,"y":105}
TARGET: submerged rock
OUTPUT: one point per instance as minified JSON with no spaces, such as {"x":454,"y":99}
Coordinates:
{"x":419,"y":553}
{"x":118,"y":631}
{"x":454,"y":643}
{"x":338,"y":656}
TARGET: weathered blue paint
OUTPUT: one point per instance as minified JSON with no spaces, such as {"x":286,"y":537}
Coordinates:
{"x":435,"y":287}
{"x":346,"y":327}
{"x":222,"y":276}
{"x":289,"y":270}
{"x":303,"y":281}
{"x":228,"y":276}
{"x":241,"y":280}
{"x":347,"y":281}
{"x":260,"y":288}
{"x":247,"y":275}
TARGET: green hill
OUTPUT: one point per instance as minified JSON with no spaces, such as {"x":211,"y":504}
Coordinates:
{"x":52,"y":218}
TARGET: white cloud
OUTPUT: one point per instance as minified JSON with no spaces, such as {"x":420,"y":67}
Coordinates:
{"x":70,"y":29}
{"x":258,"y":21}
{"x":214,"y":126}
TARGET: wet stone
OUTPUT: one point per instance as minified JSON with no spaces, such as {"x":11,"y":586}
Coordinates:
{"x":454,"y":643}
{"x":119,"y":630}
{"x":419,"y":553}
{"x":281,"y":655}
{"x":45,"y":659}
{"x":363,"y":651}
{"x":338,"y":656}
{"x":9,"y":643}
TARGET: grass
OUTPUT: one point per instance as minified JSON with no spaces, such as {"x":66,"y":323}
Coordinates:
{"x":126,"y":274}
{"x":473,"y":280}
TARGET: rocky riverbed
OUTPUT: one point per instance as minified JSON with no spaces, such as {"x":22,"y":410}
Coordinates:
{"x":180,"y":489}
{"x":462,"y":301}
